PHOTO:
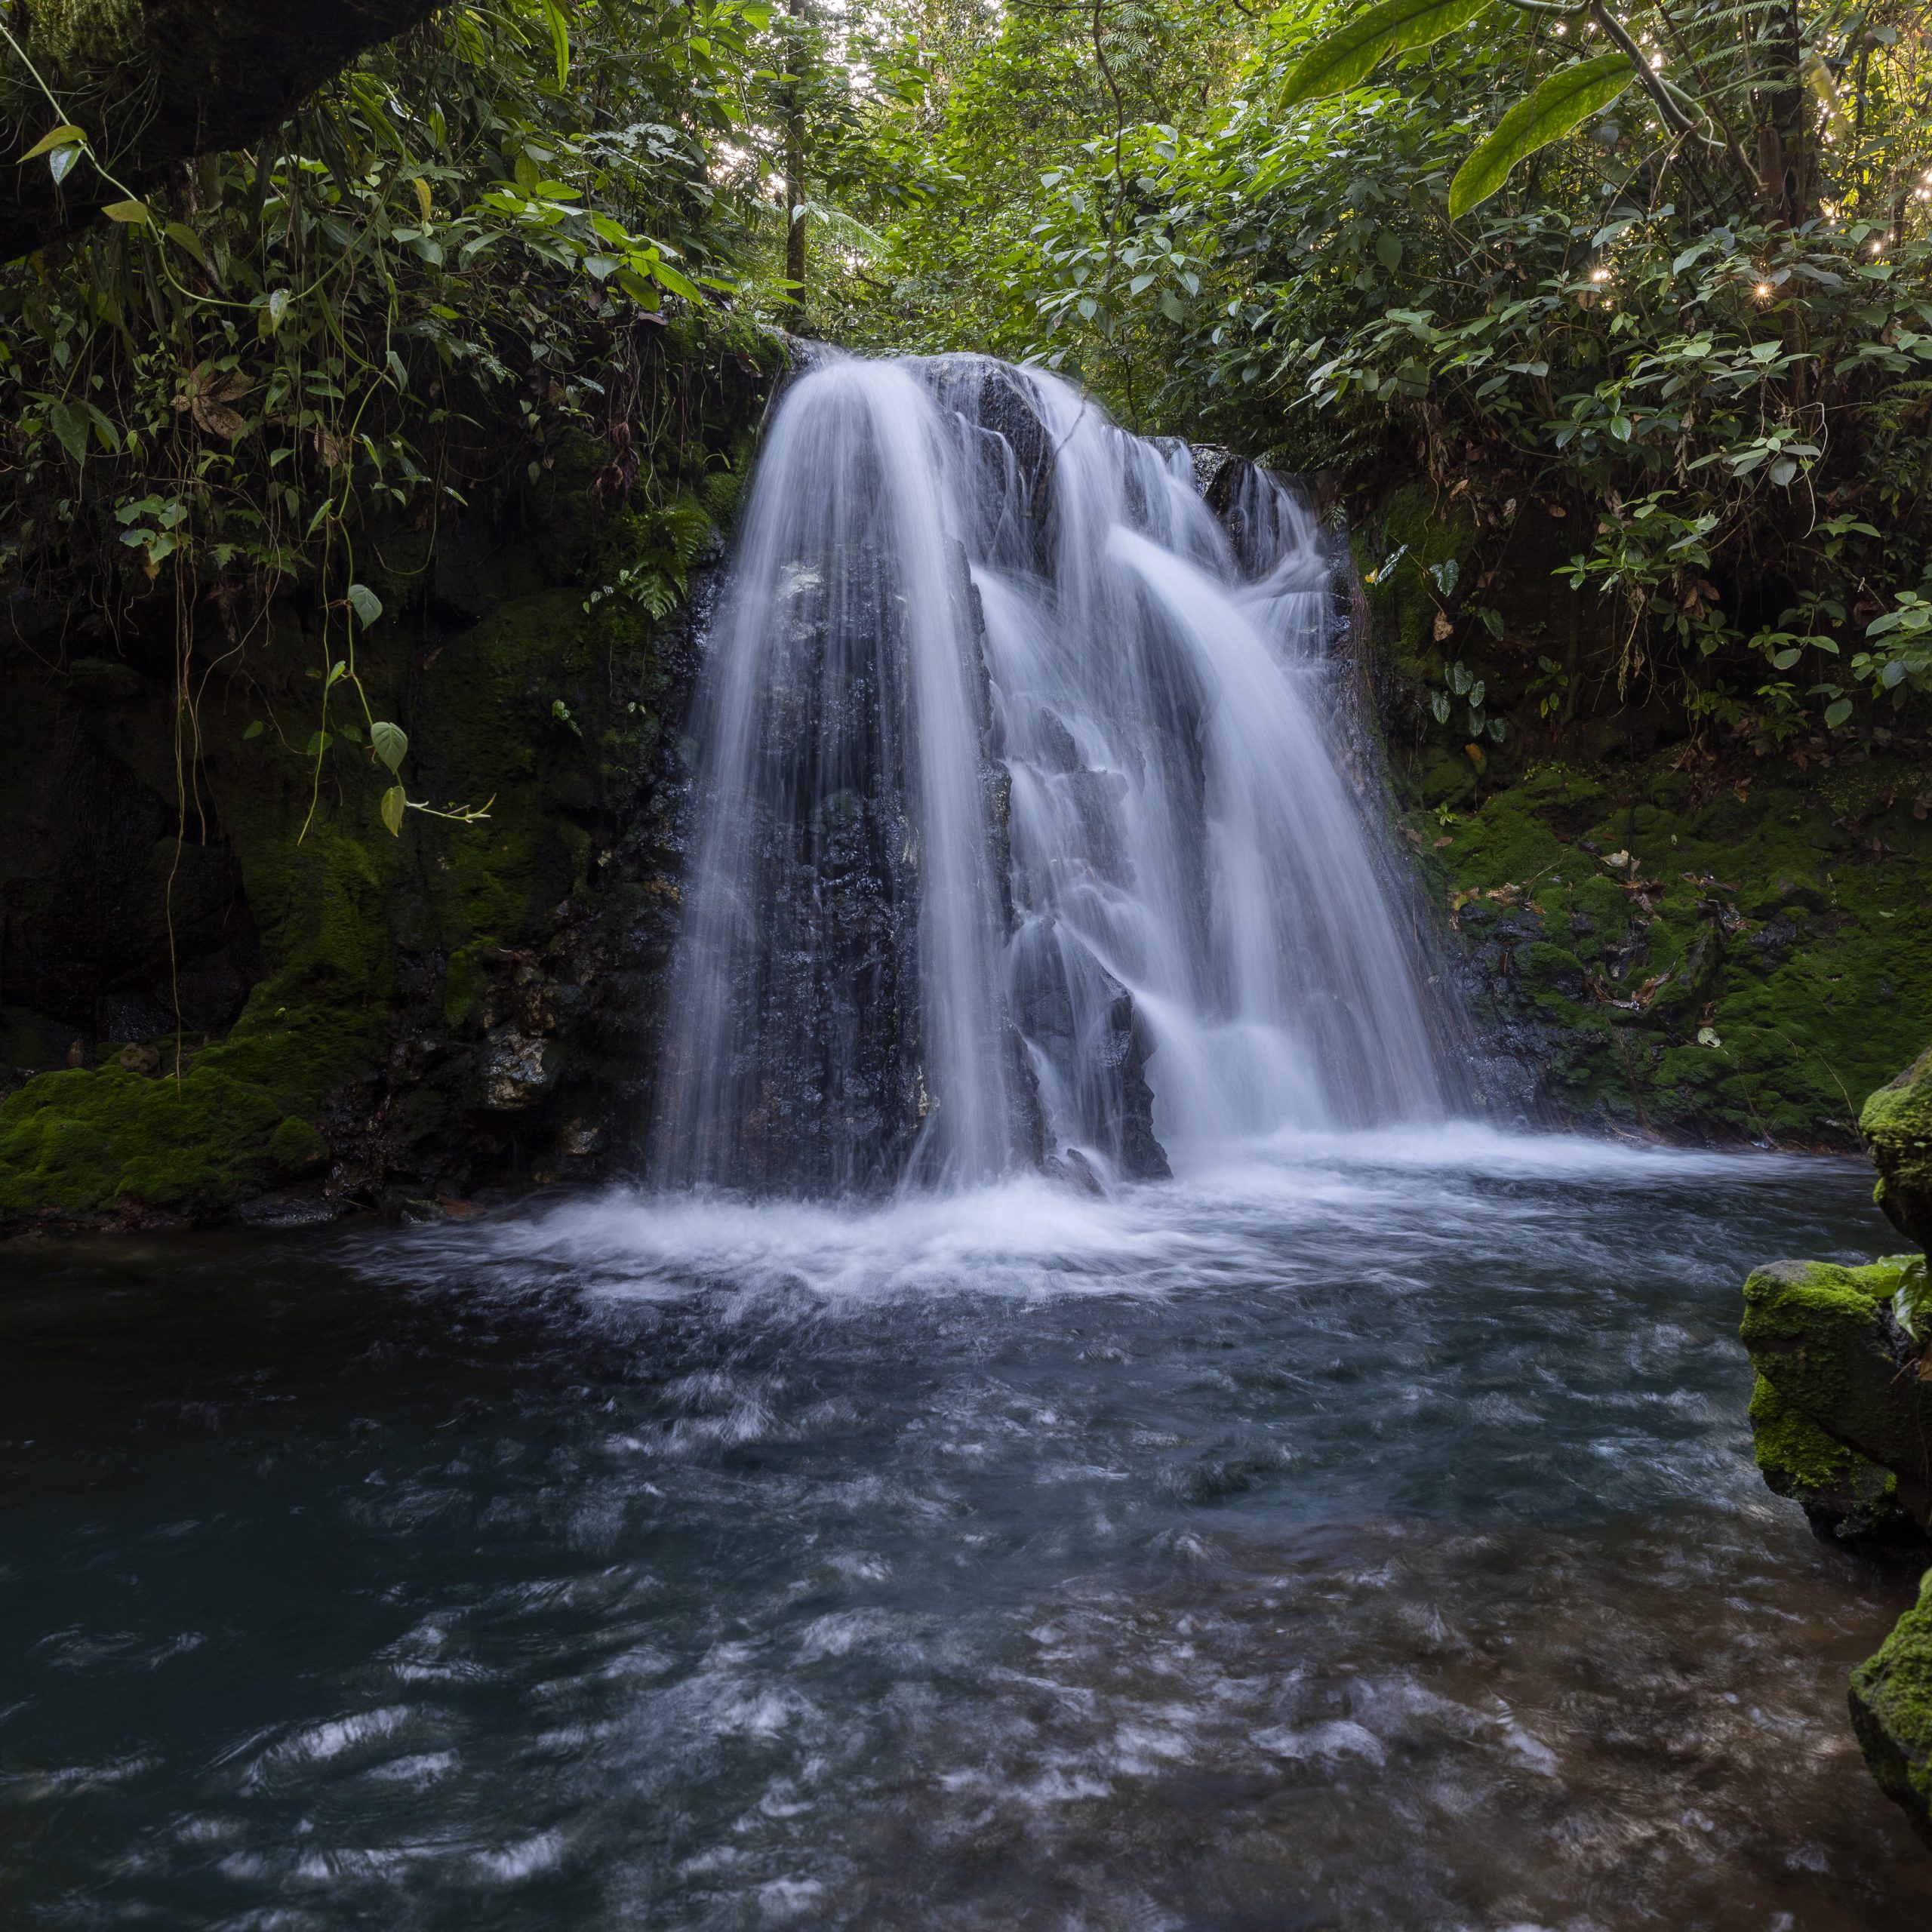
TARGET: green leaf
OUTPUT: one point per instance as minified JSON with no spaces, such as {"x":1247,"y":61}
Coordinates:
{"x":61,"y":162}
{"x":183,"y":236}
{"x":134,"y":213}
{"x":394,"y":801}
{"x":253,"y":729}
{"x":1569,"y":96}
{"x":366,"y":603}
{"x":641,"y":290}
{"x":1836,"y":714}
{"x":1389,"y":249}
{"x":390,"y":742}
{"x":560,"y":38}
{"x":70,"y":422}
{"x":1347,"y":57}
{"x":318,"y":743}
{"x":66,"y":136}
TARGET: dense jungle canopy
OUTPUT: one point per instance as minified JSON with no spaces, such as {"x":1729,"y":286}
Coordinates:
{"x":294,"y":276}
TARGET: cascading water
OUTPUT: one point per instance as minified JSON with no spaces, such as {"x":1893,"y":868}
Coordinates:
{"x":1024,"y":831}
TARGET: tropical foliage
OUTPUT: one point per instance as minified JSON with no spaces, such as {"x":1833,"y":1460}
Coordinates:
{"x":1663,"y":270}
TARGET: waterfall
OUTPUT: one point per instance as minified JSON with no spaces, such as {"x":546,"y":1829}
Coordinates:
{"x":1025,"y":834}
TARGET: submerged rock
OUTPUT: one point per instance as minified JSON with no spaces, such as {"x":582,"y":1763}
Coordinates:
{"x":1891,"y":1712}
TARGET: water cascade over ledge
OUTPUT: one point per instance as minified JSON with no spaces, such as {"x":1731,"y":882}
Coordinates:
{"x":1025,"y":832}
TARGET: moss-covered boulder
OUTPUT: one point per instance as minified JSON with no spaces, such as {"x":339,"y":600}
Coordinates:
{"x":1845,"y":1495}
{"x":1843,"y":1422}
{"x":1897,"y":1123}
{"x":1891,"y":1712}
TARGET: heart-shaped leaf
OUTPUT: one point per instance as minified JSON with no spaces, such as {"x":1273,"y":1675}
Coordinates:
{"x":390,"y":742}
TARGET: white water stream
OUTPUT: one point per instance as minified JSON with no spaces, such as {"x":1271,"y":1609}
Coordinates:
{"x":1022,"y":792}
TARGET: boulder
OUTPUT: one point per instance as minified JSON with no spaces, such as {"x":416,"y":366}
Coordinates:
{"x":1891,"y":1712}
{"x":1842,"y":1355}
{"x":1897,"y":1123}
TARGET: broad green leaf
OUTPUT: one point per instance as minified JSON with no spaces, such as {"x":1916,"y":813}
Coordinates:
{"x":183,"y":236}
{"x":395,"y":802}
{"x":134,"y":213}
{"x":677,"y":284}
{"x":1836,"y":714}
{"x":318,"y":743}
{"x":1346,"y":57}
{"x":61,"y":162}
{"x":66,"y":136}
{"x":638,"y":287}
{"x":1570,"y":96}
{"x":390,"y":742}
{"x":69,"y":422}
{"x":253,"y":729}
{"x":366,"y":603}
{"x":1389,"y":249}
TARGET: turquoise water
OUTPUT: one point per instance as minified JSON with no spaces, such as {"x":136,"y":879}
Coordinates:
{"x":1362,"y":1534}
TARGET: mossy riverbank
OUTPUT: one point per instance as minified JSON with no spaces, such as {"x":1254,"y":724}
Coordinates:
{"x":227,"y":987}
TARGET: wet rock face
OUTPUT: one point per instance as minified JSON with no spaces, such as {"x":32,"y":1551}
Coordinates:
{"x":117,"y":929}
{"x":1897,"y":1122}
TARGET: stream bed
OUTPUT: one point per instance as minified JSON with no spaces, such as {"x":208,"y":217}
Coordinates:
{"x":1360,"y":1532}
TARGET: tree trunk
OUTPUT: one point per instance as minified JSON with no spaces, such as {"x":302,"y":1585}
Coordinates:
{"x":794,"y":158}
{"x":1787,"y":168}
{"x":186,"y":77}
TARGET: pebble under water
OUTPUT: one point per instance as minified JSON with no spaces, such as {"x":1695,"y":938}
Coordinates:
{"x":1364,"y":1534}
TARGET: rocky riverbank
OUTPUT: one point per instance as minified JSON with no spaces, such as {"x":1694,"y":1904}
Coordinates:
{"x":1841,"y":1420}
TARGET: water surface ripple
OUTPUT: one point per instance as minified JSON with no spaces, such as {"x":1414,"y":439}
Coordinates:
{"x":1356,"y":1533}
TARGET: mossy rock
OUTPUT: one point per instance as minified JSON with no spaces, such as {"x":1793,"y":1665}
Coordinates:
{"x":1743,"y":987}
{"x":1891,"y":1712}
{"x":1842,"y":1373}
{"x":1846,"y":1496}
{"x":1897,"y":1123}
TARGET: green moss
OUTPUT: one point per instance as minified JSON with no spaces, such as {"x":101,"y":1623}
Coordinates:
{"x":1841,"y":1490}
{"x":1825,"y":1343}
{"x":1891,"y":1712}
{"x":296,"y":1147}
{"x":80,"y":1143}
{"x":1753,"y":977}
